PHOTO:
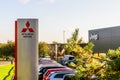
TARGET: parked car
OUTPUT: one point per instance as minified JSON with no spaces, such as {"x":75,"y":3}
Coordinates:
{"x":45,"y":58}
{"x":67,"y":59}
{"x":59,"y":75}
{"x":69,"y":77}
{"x":47,"y":73}
{"x":45,"y":63}
{"x":44,"y":69}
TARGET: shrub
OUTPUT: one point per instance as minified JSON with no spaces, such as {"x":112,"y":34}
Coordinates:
{"x":112,"y":54}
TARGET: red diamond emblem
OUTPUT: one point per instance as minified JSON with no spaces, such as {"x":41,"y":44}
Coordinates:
{"x":27,"y":28}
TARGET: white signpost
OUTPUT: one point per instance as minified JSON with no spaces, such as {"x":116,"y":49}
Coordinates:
{"x":26,"y":44}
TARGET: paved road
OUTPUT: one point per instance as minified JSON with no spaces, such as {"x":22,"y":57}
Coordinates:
{"x":4,"y":62}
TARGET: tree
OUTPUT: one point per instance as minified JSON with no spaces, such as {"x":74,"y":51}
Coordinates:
{"x":73,"y":43}
{"x":44,"y":49}
{"x":89,"y":65}
{"x":89,"y":47}
{"x":83,"y":57}
{"x":10,"y":48}
{"x":2,"y":50}
{"x":7,"y":49}
{"x":55,"y":42}
{"x":112,"y":70}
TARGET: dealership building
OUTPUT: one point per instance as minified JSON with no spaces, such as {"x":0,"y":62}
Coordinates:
{"x":105,"y":38}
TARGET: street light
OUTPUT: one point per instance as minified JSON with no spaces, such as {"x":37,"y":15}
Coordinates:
{"x":63,"y":36}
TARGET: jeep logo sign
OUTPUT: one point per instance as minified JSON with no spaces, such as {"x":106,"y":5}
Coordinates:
{"x":93,"y":36}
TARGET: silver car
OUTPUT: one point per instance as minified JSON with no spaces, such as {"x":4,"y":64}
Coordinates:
{"x":67,"y":59}
{"x":59,"y":75}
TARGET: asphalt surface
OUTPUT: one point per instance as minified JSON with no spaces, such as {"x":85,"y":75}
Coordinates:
{"x":4,"y":63}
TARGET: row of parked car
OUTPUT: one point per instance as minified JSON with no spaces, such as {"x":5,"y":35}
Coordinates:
{"x":51,"y":70}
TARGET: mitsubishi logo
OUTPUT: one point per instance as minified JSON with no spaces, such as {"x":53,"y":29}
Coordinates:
{"x":27,"y":28}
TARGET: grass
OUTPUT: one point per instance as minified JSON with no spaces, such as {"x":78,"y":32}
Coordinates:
{"x":6,"y":72}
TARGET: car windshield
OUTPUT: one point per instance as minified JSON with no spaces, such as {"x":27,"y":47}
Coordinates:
{"x":71,"y":58}
{"x":59,"y":75}
{"x":43,"y":70}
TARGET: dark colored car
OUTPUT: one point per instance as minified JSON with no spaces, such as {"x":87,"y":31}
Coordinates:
{"x":67,"y":59}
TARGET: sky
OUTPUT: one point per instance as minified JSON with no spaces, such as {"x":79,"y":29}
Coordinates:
{"x":57,"y":16}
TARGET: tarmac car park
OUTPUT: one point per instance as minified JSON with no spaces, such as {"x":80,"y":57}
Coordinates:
{"x":44,"y":69}
{"x":48,"y":67}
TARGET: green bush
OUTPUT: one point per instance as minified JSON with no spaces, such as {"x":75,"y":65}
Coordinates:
{"x":112,"y":70}
{"x":112,"y":54}
{"x":116,"y":64}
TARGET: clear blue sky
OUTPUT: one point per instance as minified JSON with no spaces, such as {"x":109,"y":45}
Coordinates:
{"x":55,"y":16}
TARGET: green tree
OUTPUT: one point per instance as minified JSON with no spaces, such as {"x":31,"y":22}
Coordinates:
{"x":112,"y":70}
{"x":89,"y":47}
{"x":2,"y":50}
{"x":44,"y":49}
{"x":83,"y":57}
{"x":10,"y":48}
{"x":55,"y":42}
{"x":73,"y":43}
{"x":7,"y":49}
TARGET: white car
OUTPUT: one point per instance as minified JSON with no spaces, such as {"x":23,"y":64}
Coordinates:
{"x":45,"y":58}
{"x":59,"y":75}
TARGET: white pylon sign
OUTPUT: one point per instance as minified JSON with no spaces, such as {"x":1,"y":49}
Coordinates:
{"x":26,"y":42}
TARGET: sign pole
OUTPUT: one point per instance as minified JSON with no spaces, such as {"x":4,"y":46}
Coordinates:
{"x":15,"y":51}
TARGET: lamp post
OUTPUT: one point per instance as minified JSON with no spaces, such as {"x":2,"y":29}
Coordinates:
{"x":56,"y":51}
{"x":63,"y":36}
